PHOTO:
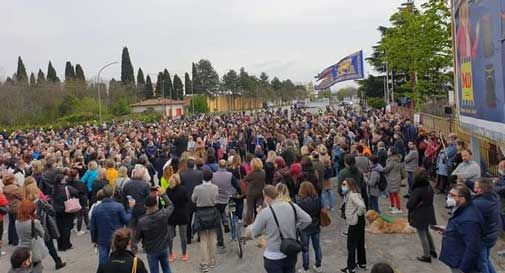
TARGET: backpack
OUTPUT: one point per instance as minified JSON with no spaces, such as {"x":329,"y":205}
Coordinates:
{"x":382,"y":182}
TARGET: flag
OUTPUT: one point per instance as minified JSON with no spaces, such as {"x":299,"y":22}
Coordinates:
{"x":348,"y":68}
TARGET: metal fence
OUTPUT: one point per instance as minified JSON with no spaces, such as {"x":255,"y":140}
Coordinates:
{"x":490,"y":153}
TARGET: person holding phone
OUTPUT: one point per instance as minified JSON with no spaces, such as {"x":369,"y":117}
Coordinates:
{"x":461,"y":242}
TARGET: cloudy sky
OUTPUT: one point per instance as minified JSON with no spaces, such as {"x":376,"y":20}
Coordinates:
{"x":285,"y":38}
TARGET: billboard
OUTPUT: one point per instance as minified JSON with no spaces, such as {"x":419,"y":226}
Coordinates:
{"x":348,"y":68}
{"x":480,"y":61}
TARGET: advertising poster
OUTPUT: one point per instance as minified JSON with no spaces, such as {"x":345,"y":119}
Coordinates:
{"x":480,"y":61}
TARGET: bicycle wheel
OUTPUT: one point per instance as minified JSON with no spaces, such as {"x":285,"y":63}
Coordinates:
{"x":240,"y":250}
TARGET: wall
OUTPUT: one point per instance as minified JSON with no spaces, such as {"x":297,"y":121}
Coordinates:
{"x":229,"y":103}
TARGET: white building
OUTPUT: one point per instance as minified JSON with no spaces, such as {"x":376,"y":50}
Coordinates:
{"x":171,"y":108}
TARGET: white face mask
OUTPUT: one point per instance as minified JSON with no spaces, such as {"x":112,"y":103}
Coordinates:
{"x":451,"y":202}
{"x":501,"y":171}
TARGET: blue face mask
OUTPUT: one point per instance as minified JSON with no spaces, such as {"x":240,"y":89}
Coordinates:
{"x":345,"y":189}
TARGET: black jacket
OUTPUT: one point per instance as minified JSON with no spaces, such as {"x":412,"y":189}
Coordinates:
{"x":121,"y":262}
{"x":138,"y":190}
{"x":153,"y":228}
{"x":82,"y":189}
{"x":190,"y":179}
{"x":180,"y":200}
{"x":59,"y":196}
{"x":159,"y":163}
{"x":97,"y":185}
{"x":312,"y":206}
{"x":269,"y":173}
{"x":420,"y":206}
{"x":48,"y":180}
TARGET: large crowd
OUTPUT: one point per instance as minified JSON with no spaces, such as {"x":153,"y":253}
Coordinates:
{"x":133,"y":182}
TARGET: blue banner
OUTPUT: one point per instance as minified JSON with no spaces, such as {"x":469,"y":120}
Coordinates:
{"x":349,"y":68}
{"x":480,"y":62}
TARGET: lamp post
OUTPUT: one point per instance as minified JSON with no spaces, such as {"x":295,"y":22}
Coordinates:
{"x":98,"y":90}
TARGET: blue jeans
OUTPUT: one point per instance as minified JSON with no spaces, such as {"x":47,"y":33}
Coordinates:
{"x":314,"y":237}
{"x":327,"y":198}
{"x":373,"y":202}
{"x":162,"y":258}
{"x":103,"y":253}
{"x":486,"y":265}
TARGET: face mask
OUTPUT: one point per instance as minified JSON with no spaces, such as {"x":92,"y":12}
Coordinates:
{"x":345,"y":189}
{"x":451,"y":202}
{"x":502,"y":172}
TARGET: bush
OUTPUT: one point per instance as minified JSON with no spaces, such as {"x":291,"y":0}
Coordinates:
{"x":200,"y":104}
{"x":376,"y":103}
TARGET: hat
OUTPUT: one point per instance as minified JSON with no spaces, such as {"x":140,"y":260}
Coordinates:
{"x":151,"y":200}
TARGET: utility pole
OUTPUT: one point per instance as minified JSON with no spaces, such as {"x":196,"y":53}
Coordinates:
{"x":98,"y":90}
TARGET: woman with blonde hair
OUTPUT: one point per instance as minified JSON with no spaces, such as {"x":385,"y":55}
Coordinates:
{"x":90,"y":175}
{"x":283,"y":193}
{"x":14,"y":196}
{"x":121,"y":180}
{"x":30,"y":191}
{"x":256,"y":182}
{"x":168,"y":172}
{"x":180,"y":199}
{"x":37,"y":169}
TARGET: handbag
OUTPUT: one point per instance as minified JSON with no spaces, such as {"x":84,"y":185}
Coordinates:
{"x":324,"y":217}
{"x":289,"y":246}
{"x":4,"y":210}
{"x":243,"y":185}
{"x":72,"y":205}
{"x":135,"y":264}
{"x":39,"y":248}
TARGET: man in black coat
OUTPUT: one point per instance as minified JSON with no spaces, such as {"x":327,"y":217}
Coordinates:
{"x":190,"y":179}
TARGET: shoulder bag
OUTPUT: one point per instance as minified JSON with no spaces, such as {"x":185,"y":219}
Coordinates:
{"x":289,"y":246}
{"x":135,"y":264}
{"x":72,"y":205}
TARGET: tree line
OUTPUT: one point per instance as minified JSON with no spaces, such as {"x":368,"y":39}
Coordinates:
{"x":75,"y":97}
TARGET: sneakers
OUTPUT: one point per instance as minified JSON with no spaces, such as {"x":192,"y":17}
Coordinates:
{"x":424,"y":259}
{"x":301,"y":270}
{"x":362,"y":266}
{"x":80,"y":233}
{"x":212,"y":264}
{"x":3,"y":253}
{"x":185,"y":257}
{"x":226,"y":228}
{"x":347,"y":270}
{"x":60,"y":265}
{"x":204,"y":268}
{"x":172,"y":257}
{"x":344,"y":234}
{"x":318,"y":269}
{"x":396,"y":211}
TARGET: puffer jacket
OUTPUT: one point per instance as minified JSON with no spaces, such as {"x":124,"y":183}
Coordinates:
{"x":106,"y":218}
{"x":312,"y":206}
{"x":489,"y":206}
{"x":121,"y":262}
{"x":394,"y":172}
{"x":373,"y":180}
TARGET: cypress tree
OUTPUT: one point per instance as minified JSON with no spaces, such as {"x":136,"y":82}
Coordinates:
{"x":21,"y":75}
{"x":148,"y":88}
{"x":196,"y":80}
{"x":169,"y":88}
{"x":140,"y":77}
{"x":69,"y":72}
{"x":79,"y":73}
{"x":188,"y":86}
{"x":159,"y":85}
{"x":33,"y":83}
{"x":51,"y":74}
{"x":127,"y":76}
{"x":178,"y":93}
{"x":41,"y":78}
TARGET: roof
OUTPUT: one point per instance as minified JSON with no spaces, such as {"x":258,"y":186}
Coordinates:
{"x":161,"y":101}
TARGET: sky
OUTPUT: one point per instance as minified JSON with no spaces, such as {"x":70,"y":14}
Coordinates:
{"x":292,"y":39}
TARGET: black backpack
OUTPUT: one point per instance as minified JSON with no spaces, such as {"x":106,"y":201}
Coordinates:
{"x":383,"y":183}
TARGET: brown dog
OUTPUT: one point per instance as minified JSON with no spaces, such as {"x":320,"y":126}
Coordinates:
{"x":379,"y":226}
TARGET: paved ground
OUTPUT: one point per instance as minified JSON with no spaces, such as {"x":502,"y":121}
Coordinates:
{"x":399,"y":250}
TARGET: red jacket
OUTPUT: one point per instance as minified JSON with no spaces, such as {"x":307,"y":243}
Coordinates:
{"x":3,"y":202}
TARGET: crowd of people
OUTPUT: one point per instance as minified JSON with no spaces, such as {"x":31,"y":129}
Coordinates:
{"x":134,"y":182}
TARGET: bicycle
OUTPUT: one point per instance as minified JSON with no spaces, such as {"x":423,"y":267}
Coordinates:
{"x":235,"y":227}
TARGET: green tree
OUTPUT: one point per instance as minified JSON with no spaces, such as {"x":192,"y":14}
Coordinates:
{"x":372,"y":86}
{"x":178,"y":89}
{"x":419,"y":43}
{"x":79,"y":73}
{"x":264,"y":78}
{"x":207,"y":80}
{"x":127,"y":77}
{"x":276,"y":84}
{"x":160,"y":82}
{"x":199,"y":103}
{"x":41,"y":78}
{"x":69,"y":72}
{"x":188,"y":86}
{"x":140,"y":77}
{"x":120,"y":107}
{"x":21,"y":75}
{"x":196,"y":83}
{"x":231,"y":82}
{"x":51,"y":74}
{"x":347,"y":92}
{"x":33,"y":83}
{"x":167,"y":85}
{"x":148,"y":88}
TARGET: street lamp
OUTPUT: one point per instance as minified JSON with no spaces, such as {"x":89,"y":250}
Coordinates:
{"x":98,"y":88}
